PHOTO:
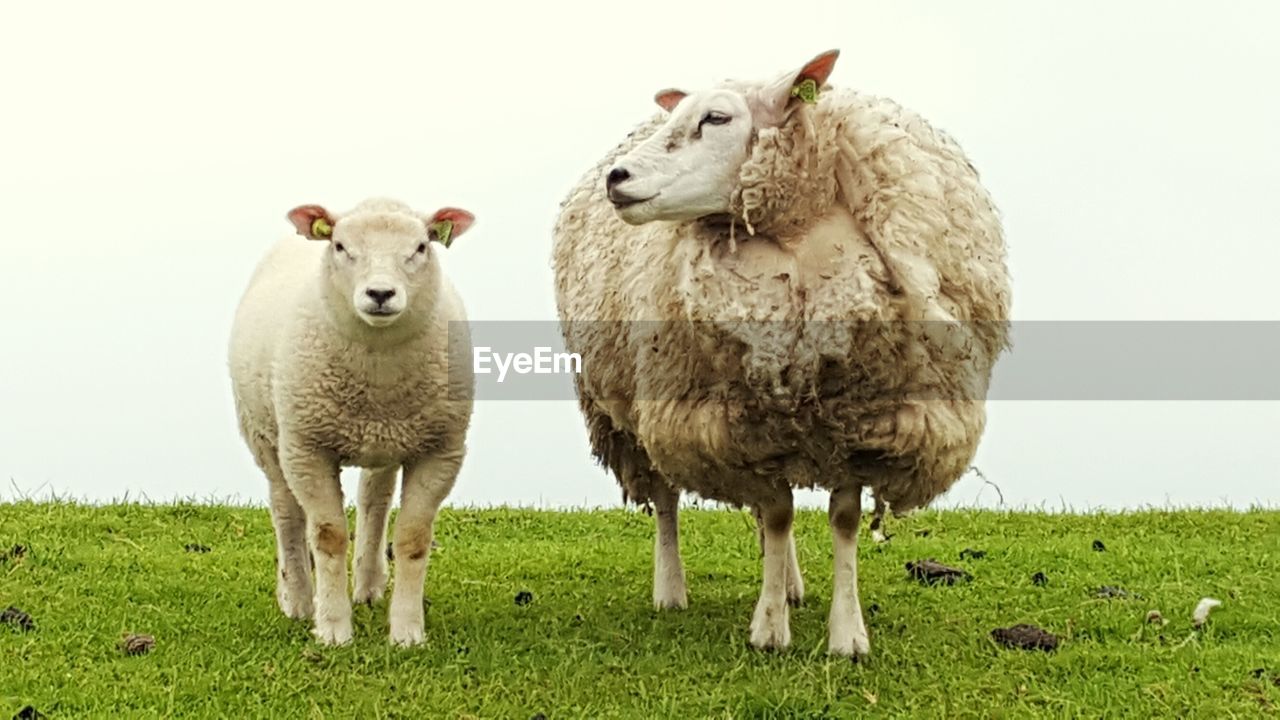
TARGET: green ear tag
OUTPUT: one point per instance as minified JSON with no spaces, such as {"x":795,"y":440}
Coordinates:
{"x":321,"y":228}
{"x":444,"y":231}
{"x":806,"y":90}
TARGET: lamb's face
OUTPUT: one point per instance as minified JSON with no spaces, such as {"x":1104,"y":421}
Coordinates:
{"x":689,"y":168}
{"x":377,"y":260}
{"x":380,"y":259}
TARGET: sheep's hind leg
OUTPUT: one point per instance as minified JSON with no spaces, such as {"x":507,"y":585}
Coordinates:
{"x":377,"y":485}
{"x":313,"y":479}
{"x":427,"y":483}
{"x":795,"y":581}
{"x":669,"y":591}
{"x":293,"y":564}
{"x":770,"y":625}
{"x":847,"y":631}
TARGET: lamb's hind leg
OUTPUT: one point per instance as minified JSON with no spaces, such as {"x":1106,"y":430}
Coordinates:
{"x":847,"y":631}
{"x":293,"y":563}
{"x":795,"y":581}
{"x":373,"y":506}
{"x":669,"y":591}
{"x":770,"y":625}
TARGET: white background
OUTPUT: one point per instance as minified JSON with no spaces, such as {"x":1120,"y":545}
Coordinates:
{"x":149,"y":151}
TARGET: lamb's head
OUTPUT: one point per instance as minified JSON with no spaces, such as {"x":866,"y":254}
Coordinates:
{"x":689,"y":168}
{"x":380,"y":255}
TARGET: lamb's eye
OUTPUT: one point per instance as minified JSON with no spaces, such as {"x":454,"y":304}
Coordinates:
{"x":715,"y":118}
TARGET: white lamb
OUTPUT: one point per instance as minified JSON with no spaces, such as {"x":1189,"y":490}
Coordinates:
{"x":776,"y":285}
{"x":353,"y":351}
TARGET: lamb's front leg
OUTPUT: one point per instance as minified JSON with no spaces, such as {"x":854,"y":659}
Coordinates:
{"x":373,"y":506}
{"x":848,"y":632}
{"x":313,"y":478}
{"x":669,"y":590}
{"x":770,"y":625}
{"x":427,"y":482}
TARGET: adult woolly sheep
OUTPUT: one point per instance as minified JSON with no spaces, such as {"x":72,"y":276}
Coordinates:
{"x":826,"y":287}
{"x":341,"y":355}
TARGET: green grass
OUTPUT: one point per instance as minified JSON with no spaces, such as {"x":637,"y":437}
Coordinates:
{"x":589,"y":645}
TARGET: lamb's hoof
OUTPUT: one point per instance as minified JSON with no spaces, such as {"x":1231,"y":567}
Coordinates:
{"x":333,"y":633}
{"x":848,"y":635}
{"x":795,"y":595}
{"x":671,"y":600}
{"x":857,"y":648}
{"x":294,"y":609}
{"x":371,"y":594}
{"x":406,"y":635}
{"x":770,"y":627}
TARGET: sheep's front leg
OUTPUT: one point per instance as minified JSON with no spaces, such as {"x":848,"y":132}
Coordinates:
{"x":848,"y":632}
{"x":313,"y":478}
{"x":770,"y":625}
{"x":373,"y":506}
{"x":795,"y":582}
{"x":669,"y":590}
{"x":427,"y":483}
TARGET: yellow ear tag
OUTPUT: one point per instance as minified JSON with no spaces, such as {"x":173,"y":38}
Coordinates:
{"x":806,"y":90}
{"x":321,"y":228}
{"x":444,"y":231}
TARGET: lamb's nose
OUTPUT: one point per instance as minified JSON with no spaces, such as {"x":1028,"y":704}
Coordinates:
{"x":616,"y":175}
{"x":380,"y":296}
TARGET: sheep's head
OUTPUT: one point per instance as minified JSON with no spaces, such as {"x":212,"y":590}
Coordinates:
{"x":379,"y":254}
{"x":689,"y":167}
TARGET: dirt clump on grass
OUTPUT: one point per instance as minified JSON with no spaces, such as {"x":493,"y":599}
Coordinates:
{"x":932,"y":572}
{"x":17,"y":618}
{"x":137,"y":643}
{"x":1026,"y":637}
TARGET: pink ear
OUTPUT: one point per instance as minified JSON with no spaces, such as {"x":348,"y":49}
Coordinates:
{"x":819,"y":68}
{"x":460,"y":218}
{"x":668,"y":99}
{"x":304,"y":219}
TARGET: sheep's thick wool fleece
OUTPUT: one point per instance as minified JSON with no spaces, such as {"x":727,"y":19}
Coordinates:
{"x":840,"y":330}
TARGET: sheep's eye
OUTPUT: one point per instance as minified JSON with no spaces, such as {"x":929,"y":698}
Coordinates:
{"x":422,"y":248}
{"x":715,"y":118}
{"x":339,"y":247}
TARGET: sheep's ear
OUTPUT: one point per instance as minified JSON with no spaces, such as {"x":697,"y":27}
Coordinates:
{"x":669,"y":98}
{"x":447,"y":224}
{"x":312,"y":222}
{"x":771,"y":102}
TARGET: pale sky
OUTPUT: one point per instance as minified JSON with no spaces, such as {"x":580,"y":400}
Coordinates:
{"x":149,"y":152}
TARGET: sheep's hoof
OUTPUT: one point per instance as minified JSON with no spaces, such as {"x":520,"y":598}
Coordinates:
{"x":299,"y":609}
{"x":406,"y":636}
{"x":369,"y":595}
{"x":849,"y":638}
{"x":857,"y":649}
{"x":333,"y":633}
{"x":670,"y":599}
{"x":770,"y":627}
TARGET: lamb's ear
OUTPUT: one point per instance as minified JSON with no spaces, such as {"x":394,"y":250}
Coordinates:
{"x":312,"y":222}
{"x":770,"y":102}
{"x":669,"y":98}
{"x":447,"y":224}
